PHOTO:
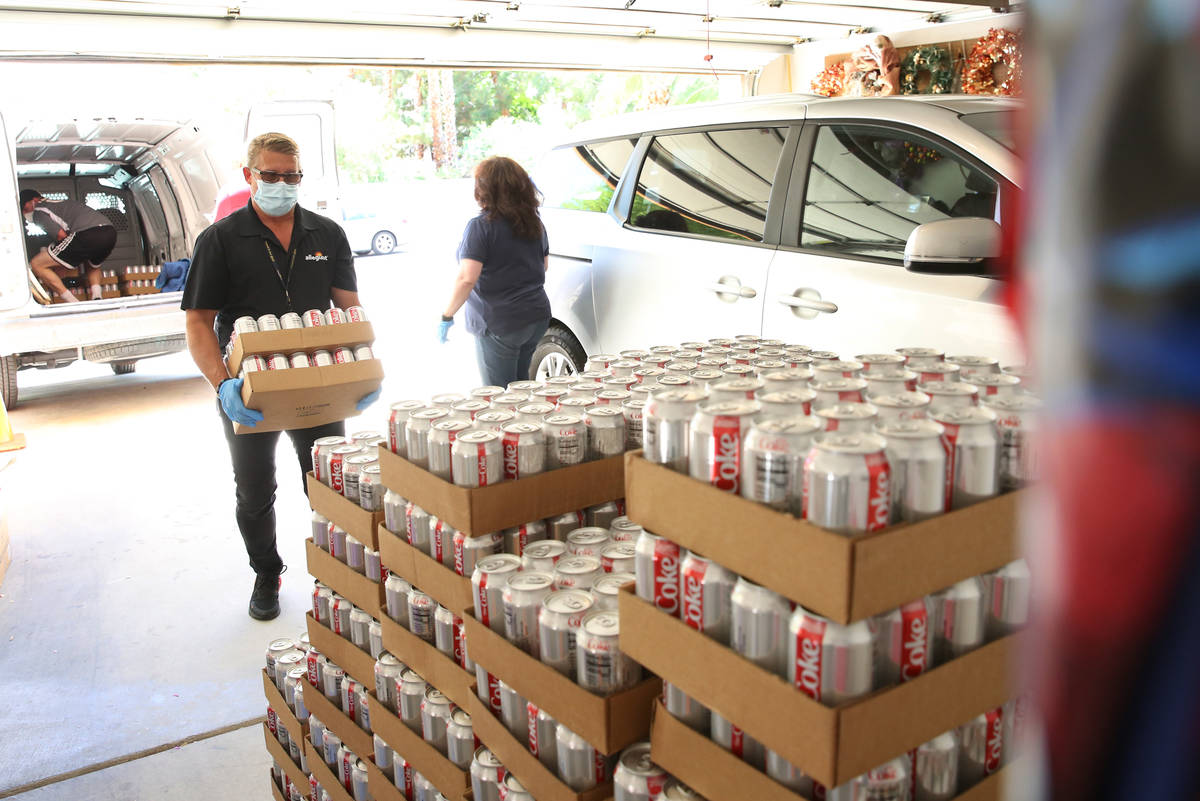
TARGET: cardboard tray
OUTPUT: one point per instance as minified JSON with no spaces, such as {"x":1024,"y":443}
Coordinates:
{"x":609,"y":724}
{"x":509,"y":503}
{"x":720,"y":776}
{"x":421,"y":570}
{"x":345,"y":654}
{"x":435,"y":667}
{"x":278,"y":796}
{"x":307,"y":396}
{"x":357,"y":521}
{"x":280,"y":755}
{"x":354,"y":738}
{"x":843,"y":578}
{"x":831,"y":744}
{"x":329,"y":782}
{"x":444,"y":774}
{"x":287,"y":342}
{"x":541,"y":783}
{"x":295,"y":729}
{"x":382,"y":788}
{"x":357,"y":588}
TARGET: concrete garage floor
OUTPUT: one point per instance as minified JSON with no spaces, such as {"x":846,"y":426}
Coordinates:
{"x":123,"y":627}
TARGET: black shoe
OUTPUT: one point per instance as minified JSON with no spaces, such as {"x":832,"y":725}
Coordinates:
{"x":264,"y":602}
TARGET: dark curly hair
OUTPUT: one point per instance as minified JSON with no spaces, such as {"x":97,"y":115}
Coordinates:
{"x":504,"y":189}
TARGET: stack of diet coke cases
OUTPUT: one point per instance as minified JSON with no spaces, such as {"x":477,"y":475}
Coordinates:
{"x":830,"y":662}
{"x":312,"y":318}
{"x":350,"y":467}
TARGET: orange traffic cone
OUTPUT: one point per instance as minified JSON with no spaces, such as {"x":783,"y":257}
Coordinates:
{"x":8,"y":440}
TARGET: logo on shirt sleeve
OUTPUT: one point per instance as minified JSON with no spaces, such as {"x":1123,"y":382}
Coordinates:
{"x":318,"y":256}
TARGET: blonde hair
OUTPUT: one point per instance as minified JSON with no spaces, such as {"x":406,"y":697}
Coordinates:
{"x":273,"y":142}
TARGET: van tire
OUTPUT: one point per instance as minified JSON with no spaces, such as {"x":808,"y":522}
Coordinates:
{"x":559,"y":353}
{"x":383,"y":243}
{"x":123,"y":367}
{"x":8,"y":381}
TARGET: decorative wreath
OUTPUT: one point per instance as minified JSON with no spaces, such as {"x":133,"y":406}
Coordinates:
{"x":999,"y":46}
{"x":921,"y":154}
{"x":932,"y":59}
{"x":829,"y":81}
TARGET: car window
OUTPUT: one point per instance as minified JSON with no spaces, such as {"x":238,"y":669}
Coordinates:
{"x":583,"y":178}
{"x":869,"y":187}
{"x":715,"y":183}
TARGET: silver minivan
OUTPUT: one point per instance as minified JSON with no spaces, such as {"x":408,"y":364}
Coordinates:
{"x":852,"y":224}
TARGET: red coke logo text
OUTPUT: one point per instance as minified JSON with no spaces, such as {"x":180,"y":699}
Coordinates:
{"x":727,"y":454}
{"x":693,"y":596}
{"x":666,"y":577}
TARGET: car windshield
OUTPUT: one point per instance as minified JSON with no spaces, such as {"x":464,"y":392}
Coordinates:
{"x":998,"y":125}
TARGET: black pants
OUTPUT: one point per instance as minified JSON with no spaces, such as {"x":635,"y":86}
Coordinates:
{"x":253,"y":458}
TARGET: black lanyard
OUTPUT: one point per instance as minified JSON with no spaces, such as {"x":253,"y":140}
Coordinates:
{"x":291,"y":266}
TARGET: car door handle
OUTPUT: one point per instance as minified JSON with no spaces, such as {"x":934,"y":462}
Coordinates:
{"x":733,"y":289}
{"x":806,"y":303}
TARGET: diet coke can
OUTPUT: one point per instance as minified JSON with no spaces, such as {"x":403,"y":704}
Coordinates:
{"x":435,"y":714}
{"x":982,"y":750}
{"x":972,"y":455}
{"x":445,"y":633}
{"x":904,"y":642}
{"x":461,"y":742}
{"x":487,"y":588}
{"x":478,"y":459}
{"x":775,"y":450}
{"x":736,"y":741}
{"x":788,"y":403}
{"x":421,"y":609}
{"x":486,"y":775}
{"x":666,"y":426}
{"x":881,"y":362}
{"x":387,"y":670}
{"x":396,"y":591}
{"x":469,"y":551}
{"x":410,"y":693}
{"x":996,"y":385}
{"x":312,"y":318}
{"x":734,"y":389}
{"x":600,"y":665}
{"x":838,"y":368}
{"x":758,"y":625}
{"x":830,"y":662}
{"x":1008,"y":593}
{"x":356,"y":314}
{"x":587,"y":541}
{"x":920,"y":357}
{"x":322,"y":604}
{"x":832,"y":391}
{"x":510,"y":402}
{"x":522,"y":598}
{"x":605,"y":431}
{"x":320,"y":530}
{"x":543,"y":555}
{"x":935,"y":768}
{"x":717,"y":439}
{"x":971,"y":366}
{"x":268,"y":322}
{"x":416,"y":522}
{"x":245,"y":325}
{"x":656,"y":566}
{"x":1017,"y":427}
{"x":512,"y":711}
{"x":299,"y":359}
{"x":958,"y":619}
{"x":335,"y":316}
{"x":517,"y":538}
{"x":576,"y":572}
{"x":363,"y":352}
{"x":446,"y":400}
{"x":277,"y":361}
{"x":848,"y":418}
{"x":542,"y":741}
{"x":398,"y":423}
{"x":636,"y":777}
{"x":494,"y":420}
{"x":534,"y":412}
{"x":891,"y":382}
{"x":566,"y":440}
{"x":467,"y":409}
{"x":441,"y":439}
{"x":559,"y":620}
{"x":416,"y":434}
{"x":622,"y":529}
{"x":847,"y":483}
{"x":918,"y":469}
{"x":900,"y":406}
{"x":580,"y":766}
{"x":343,"y":355}
{"x":706,"y":592}
{"x":252,"y":364}
{"x":524,"y":450}
{"x":788,"y":774}
{"x":607,"y":589}
{"x":619,"y":557}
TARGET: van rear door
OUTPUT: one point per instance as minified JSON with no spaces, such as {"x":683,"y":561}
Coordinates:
{"x":310,"y":123}
{"x":14,"y":283}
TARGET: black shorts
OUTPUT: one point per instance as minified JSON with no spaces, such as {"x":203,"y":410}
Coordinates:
{"x":89,"y":245}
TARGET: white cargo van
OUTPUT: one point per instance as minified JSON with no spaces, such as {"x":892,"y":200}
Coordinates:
{"x":155,"y":181}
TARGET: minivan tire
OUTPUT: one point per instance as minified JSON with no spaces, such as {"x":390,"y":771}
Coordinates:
{"x":8,"y":380}
{"x":383,"y":243}
{"x":123,"y":368}
{"x":560,"y":352}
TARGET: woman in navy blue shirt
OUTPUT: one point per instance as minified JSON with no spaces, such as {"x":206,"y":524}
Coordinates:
{"x":502,"y":264}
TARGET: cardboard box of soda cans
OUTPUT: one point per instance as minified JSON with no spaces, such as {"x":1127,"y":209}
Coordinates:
{"x":301,"y":397}
{"x":832,"y":744}
{"x":482,"y":510}
{"x":841,"y":577}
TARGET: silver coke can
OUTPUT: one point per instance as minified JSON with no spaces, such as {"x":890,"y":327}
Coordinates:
{"x":441,"y":541}
{"x":375,"y":638}
{"x":667,"y":424}
{"x":622,"y":529}
{"x":849,"y":418}
{"x":370,"y":487}
{"x":477,"y":459}
{"x":832,"y":391}
{"x":900,"y":407}
{"x":486,"y":775}
{"x":996,"y":385}
{"x":576,"y":572}
{"x":417,"y":526}
{"x":416,"y":434}
{"x":435,"y":714}
{"x":717,"y":453}
{"x":460,"y":739}
{"x":396,"y":590}
{"x":607,"y":589}
{"x":534,"y":412}
{"x":421,"y":609}
{"x":1017,"y":427}
{"x":982,"y":751}
{"x":580,"y":766}
{"x":881,"y":362}
{"x":734,"y":740}
{"x":600,"y":665}
{"x":944,"y":395}
{"x":619,"y":557}
{"x":758,"y":625}
{"x":512,"y":711}
{"x":387,"y":670}
{"x":919,"y":357}
{"x":934,"y":768}
{"x":685,"y":708}
{"x":636,"y":777}
{"x":566,"y":439}
{"x":656,"y":567}
{"x":466,"y":410}
{"x":735,"y":389}
{"x":958,"y":619}
{"x":788,"y":774}
{"x":445,"y":633}
{"x":487,"y":588}
{"x":469,"y":550}
{"x":382,"y":755}
{"x":524,"y":450}
{"x":775,"y":450}
{"x":787,"y":403}
{"x":847,"y":483}
{"x":971,"y":366}
{"x":494,"y":420}
{"x":542,"y":555}
{"x":634,"y":412}
{"x":587,"y":541}
{"x":706,"y":596}
{"x":559,"y":620}
{"x":398,"y":414}
{"x":522,"y":598}
{"x":918,"y":469}
{"x":360,"y":622}
{"x":972,"y":455}
{"x":890,"y":383}
{"x":441,"y":439}
{"x":410,"y":693}
{"x":904,"y":642}
{"x":320,"y":456}
{"x":518,"y":538}
{"x":395,"y":509}
{"x":542,"y":741}
{"x":1008,"y":593}
{"x":937,"y":371}
{"x":830,"y":662}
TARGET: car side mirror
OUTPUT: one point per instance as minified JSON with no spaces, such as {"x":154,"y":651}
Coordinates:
{"x":957,"y":246}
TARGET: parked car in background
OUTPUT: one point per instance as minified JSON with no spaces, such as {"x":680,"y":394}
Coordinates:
{"x":373,"y":230}
{"x":851,"y":224}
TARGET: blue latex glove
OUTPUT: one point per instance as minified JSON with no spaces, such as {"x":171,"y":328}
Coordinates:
{"x":443,"y":330}
{"x":367,"y":400}
{"x":231,"y":403}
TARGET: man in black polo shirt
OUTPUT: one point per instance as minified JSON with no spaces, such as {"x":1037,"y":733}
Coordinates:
{"x":270,"y":257}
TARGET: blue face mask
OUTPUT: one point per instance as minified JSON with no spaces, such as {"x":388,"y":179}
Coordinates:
{"x":276,"y":199}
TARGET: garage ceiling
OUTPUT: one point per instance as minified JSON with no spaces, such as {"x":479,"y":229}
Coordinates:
{"x":629,"y":34}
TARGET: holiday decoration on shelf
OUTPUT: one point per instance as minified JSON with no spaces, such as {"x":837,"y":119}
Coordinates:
{"x":999,"y":47}
{"x":874,"y":70}
{"x":932,"y":59}
{"x":828,"y":82}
